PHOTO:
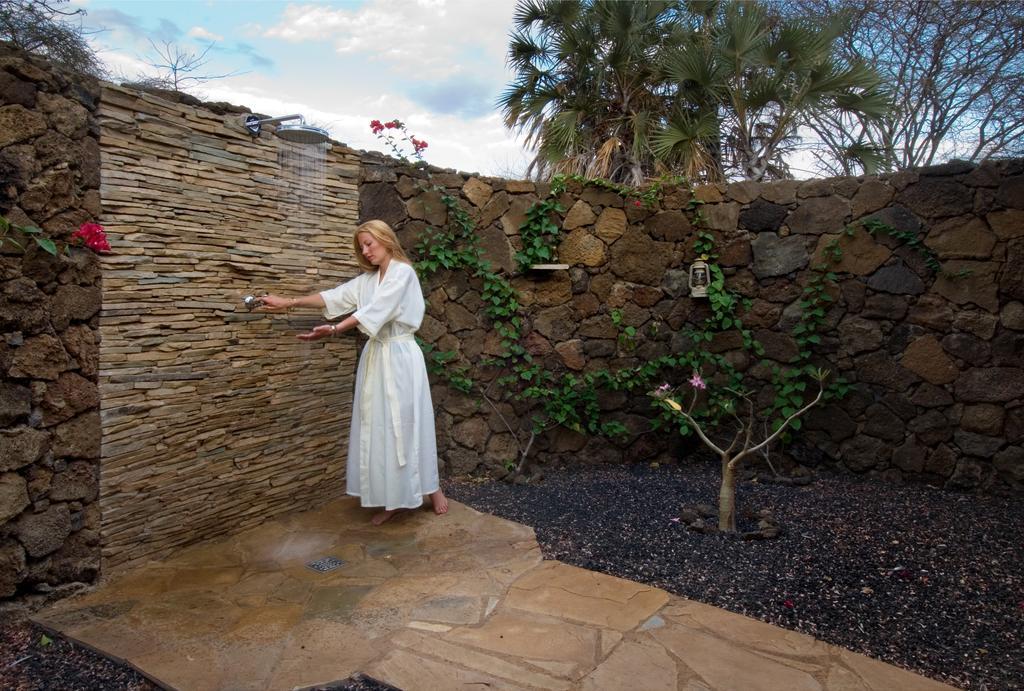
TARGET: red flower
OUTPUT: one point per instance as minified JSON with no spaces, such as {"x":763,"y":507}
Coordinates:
{"x":92,"y":236}
{"x":376,"y":126}
{"x":394,"y":124}
{"x":418,"y":144}
{"x":788,"y":604}
{"x":638,"y":203}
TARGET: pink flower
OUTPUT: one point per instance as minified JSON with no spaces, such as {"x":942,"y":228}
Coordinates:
{"x":696,"y":382}
{"x":662,"y":392}
{"x":395,"y":141}
{"x":92,"y":236}
{"x":638,"y":203}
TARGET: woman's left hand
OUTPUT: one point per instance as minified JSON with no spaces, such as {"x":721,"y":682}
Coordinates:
{"x":318,"y":332}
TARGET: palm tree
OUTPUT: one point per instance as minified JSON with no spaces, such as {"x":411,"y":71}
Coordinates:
{"x":764,"y":78}
{"x":701,"y":88}
{"x":587,"y":90}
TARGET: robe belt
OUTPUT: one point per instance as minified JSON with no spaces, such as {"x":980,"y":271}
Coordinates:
{"x":373,"y":352}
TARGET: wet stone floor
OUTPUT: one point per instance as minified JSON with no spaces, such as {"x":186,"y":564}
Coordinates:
{"x":463,"y":601}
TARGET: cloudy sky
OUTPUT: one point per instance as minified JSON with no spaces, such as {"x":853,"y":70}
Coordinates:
{"x":438,"y":65}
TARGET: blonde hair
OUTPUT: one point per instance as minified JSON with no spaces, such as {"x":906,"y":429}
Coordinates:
{"x":382,"y":233}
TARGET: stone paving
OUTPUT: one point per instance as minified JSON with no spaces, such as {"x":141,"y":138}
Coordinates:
{"x":464,"y":601}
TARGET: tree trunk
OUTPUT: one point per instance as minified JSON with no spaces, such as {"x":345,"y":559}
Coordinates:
{"x":727,"y":499}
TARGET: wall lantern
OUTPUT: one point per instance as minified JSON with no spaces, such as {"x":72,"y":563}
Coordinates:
{"x":700,"y":277}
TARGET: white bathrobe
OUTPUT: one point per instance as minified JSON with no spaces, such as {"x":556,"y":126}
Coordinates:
{"x":392,"y":450}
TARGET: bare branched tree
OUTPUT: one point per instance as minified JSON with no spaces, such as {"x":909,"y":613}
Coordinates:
{"x":178,"y":68}
{"x":46,"y":28}
{"x":956,"y":72}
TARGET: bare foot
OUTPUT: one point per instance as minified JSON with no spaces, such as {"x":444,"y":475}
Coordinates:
{"x":439,"y":501}
{"x":382,"y":516}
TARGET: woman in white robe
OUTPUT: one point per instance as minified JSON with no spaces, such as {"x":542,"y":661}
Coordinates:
{"x":392,"y":450}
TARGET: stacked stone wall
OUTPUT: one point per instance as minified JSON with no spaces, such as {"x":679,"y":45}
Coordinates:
{"x":936,"y":358}
{"x":215,"y":419}
{"x":49,"y":339}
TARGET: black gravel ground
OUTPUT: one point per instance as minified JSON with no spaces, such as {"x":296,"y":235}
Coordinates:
{"x":925,"y":579}
{"x":33,"y":660}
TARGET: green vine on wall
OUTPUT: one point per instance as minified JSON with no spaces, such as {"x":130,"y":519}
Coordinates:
{"x":814,"y":304}
{"x":627,"y":334}
{"x":457,"y":247}
{"x":539,"y":234}
{"x":571,"y":400}
{"x":908,"y":238}
{"x":790,"y":383}
{"x":833,"y":251}
{"x":724,"y":303}
{"x":647,"y":196}
{"x":914,"y":242}
{"x":439,"y":363}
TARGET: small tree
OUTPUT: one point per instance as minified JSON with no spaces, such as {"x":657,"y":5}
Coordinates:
{"x":178,"y":69}
{"x":719,"y":415}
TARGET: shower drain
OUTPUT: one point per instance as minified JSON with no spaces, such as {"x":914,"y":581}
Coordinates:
{"x":325,"y":564}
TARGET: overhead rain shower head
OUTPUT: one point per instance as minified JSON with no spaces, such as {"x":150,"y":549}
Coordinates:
{"x":302,"y":134}
{"x":298,"y":134}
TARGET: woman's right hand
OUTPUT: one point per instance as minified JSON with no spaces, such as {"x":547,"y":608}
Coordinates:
{"x":318,"y":332}
{"x":275,"y":303}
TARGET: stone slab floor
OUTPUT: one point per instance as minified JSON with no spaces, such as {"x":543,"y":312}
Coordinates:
{"x":463,"y":601}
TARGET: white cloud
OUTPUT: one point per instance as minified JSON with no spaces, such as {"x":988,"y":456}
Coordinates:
{"x":206,"y":35}
{"x":384,"y":73}
{"x":122,"y":66}
{"x":429,"y":38}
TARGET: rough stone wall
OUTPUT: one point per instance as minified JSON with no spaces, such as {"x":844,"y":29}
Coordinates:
{"x":49,"y":311}
{"x":936,"y":360}
{"x":213,"y":418}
